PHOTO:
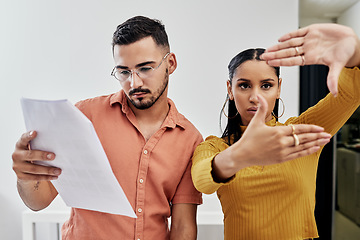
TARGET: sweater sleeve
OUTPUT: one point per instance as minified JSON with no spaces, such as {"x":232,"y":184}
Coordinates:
{"x":201,"y":170}
{"x":332,"y":112}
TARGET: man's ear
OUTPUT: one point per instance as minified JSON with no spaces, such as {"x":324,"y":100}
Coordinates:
{"x":172,"y":63}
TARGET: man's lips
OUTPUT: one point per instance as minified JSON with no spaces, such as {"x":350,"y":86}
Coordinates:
{"x":138,"y":93}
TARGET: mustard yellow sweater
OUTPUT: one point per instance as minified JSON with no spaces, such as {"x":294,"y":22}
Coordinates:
{"x":276,"y":202}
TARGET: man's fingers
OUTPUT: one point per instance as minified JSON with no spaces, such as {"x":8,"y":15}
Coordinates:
{"x":30,"y":171}
{"x":32,"y":155}
{"x":31,"y":177}
{"x":25,"y":139}
{"x":36,"y":169}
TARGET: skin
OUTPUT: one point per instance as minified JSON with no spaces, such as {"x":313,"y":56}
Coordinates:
{"x":251,"y":79}
{"x":333,"y":45}
{"x":150,"y":106}
{"x":254,"y":88}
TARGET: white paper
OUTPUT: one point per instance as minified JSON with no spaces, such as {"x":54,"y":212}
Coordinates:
{"x":87,"y":180}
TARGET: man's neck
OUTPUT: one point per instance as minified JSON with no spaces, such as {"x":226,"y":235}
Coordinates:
{"x":151,"y":119}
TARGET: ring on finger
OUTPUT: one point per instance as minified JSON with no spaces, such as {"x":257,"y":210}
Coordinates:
{"x":296,"y":138}
{"x":293,"y":128}
{"x":297,"y":52}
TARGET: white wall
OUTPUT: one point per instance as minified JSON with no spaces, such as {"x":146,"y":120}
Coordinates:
{"x":351,"y":18}
{"x":62,"y":49}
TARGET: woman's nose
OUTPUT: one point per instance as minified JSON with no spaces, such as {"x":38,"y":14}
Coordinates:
{"x":254,"y":96}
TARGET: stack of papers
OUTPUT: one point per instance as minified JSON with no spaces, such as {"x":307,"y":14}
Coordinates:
{"x":87,"y":180}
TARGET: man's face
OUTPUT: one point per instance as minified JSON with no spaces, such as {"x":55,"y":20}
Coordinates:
{"x":144,"y":56}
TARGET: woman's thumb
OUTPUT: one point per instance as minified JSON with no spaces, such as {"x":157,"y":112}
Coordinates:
{"x":260,"y":114}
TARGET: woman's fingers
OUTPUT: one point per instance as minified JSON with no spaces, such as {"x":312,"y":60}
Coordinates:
{"x":305,"y":128}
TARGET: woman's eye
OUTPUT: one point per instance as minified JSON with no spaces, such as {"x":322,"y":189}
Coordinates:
{"x":266,"y":85}
{"x":244,"y":85}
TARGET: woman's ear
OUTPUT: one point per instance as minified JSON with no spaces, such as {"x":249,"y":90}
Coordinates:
{"x":229,"y":90}
{"x":279,"y":88}
{"x":172,"y":63}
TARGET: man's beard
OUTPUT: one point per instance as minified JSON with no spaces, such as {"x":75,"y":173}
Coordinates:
{"x":147,"y":104}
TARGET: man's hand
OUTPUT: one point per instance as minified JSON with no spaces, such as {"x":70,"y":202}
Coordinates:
{"x":23,"y":161}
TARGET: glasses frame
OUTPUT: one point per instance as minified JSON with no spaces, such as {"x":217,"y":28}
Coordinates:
{"x":136,"y":70}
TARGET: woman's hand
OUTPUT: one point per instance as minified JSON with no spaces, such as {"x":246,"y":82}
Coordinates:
{"x":264,"y":145}
{"x":333,"y":45}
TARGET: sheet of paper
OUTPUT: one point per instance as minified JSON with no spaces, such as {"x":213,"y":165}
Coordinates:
{"x":87,"y":180}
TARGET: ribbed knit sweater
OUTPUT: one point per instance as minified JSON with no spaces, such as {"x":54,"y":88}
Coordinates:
{"x":276,"y":202}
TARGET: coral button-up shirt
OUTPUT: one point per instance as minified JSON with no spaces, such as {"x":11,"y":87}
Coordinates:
{"x":154,"y":174}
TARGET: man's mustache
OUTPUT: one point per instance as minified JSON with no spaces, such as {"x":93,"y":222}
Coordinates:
{"x":133,"y":91}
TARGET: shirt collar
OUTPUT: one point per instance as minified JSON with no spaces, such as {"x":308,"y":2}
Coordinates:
{"x":173,"y":119}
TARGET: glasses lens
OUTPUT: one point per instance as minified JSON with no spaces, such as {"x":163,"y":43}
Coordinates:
{"x":122,"y":75}
{"x":145,"y":72}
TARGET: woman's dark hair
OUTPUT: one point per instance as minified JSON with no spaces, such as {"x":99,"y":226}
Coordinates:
{"x":233,"y":131}
{"x":137,"y":28}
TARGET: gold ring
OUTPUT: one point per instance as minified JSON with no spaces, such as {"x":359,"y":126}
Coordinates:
{"x":297,"y":51}
{"x":296,"y":140}
{"x":302,"y":60}
{"x":293,"y":128}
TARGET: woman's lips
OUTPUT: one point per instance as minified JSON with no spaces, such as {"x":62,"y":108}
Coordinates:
{"x":252,"y":110}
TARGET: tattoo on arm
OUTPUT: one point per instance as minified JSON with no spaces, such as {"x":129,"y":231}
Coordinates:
{"x":36,"y":186}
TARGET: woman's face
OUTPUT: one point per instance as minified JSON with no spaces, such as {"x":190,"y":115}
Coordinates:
{"x":253,"y":78}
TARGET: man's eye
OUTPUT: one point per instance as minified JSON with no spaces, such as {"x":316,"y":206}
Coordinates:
{"x":144,"y":69}
{"x":124,"y":72}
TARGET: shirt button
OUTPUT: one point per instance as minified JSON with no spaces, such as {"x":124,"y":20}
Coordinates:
{"x":139,"y":210}
{"x":141,"y":180}
{"x":145,"y":152}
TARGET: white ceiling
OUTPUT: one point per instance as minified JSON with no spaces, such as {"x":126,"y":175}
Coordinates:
{"x":323,"y":8}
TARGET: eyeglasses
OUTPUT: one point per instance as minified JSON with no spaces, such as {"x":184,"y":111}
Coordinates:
{"x":144,"y":72}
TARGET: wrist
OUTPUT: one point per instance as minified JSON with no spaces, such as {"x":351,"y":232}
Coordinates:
{"x":354,"y":61}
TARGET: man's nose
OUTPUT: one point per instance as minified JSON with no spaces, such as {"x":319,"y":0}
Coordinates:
{"x":135,"y":80}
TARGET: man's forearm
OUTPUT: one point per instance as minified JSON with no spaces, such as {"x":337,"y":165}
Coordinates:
{"x":36,"y":195}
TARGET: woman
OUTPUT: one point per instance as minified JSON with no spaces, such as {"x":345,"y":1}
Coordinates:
{"x":263,"y":194}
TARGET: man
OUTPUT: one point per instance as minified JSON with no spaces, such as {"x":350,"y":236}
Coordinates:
{"x":148,"y":143}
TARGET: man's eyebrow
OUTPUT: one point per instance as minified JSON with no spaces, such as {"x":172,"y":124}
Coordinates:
{"x":136,"y":66}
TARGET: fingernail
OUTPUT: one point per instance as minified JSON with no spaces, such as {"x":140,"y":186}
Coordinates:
{"x":54,"y":178}
{"x":50,"y":156}
{"x":31,"y":133}
{"x":57,"y":172}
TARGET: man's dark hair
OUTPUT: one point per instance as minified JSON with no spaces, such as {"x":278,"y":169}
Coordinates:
{"x":139,"y":27}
